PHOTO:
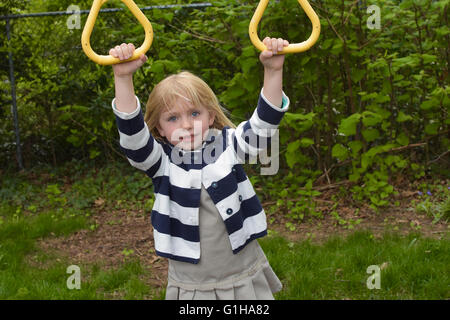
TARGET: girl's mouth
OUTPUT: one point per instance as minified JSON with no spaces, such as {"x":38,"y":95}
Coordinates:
{"x":188,"y":138}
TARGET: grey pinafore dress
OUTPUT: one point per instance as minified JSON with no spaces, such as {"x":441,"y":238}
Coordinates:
{"x":220,"y":274}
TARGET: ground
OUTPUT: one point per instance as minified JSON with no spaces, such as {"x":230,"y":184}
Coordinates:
{"x":119,"y":234}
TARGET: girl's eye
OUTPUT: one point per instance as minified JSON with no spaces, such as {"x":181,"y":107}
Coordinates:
{"x":172,"y":118}
{"x":195,"y":113}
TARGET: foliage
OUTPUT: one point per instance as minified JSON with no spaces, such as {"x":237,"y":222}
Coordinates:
{"x":438,"y":209}
{"x":367,"y":105}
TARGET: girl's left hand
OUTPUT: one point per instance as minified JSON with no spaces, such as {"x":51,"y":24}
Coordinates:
{"x":269,"y":58}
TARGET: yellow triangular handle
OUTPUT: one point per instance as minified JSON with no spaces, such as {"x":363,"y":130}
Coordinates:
{"x":294,"y":47}
{"x":108,"y":59}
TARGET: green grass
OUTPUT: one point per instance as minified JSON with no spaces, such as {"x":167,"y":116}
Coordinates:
{"x":27,"y":272}
{"x":41,"y":204}
{"x":417,"y":268}
{"x":412,"y":267}
{"x":19,"y":279}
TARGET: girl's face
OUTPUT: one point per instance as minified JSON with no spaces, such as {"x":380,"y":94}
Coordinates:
{"x":185,"y":125}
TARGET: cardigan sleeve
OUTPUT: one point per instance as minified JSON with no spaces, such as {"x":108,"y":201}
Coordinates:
{"x":254,"y":135}
{"x":136,"y":142}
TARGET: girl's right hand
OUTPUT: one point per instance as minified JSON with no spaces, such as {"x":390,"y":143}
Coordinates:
{"x":124,"y":52}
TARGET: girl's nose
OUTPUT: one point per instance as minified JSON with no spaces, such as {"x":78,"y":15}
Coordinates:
{"x":187,"y":124}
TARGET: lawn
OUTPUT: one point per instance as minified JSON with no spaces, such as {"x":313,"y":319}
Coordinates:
{"x":52,"y":219}
{"x":411,"y":267}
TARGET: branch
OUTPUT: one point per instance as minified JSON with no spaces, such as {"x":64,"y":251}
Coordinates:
{"x":332,"y":27}
{"x":331,"y":186}
{"x":437,"y":159}
{"x":409,"y":146}
{"x":350,"y":11}
{"x":374,"y":38}
{"x":331,"y":168}
{"x":198,"y":35}
{"x":299,"y":199}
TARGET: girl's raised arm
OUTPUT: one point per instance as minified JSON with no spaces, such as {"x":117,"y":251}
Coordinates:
{"x":273,"y":69}
{"x":123,"y":76}
{"x":253,"y":136}
{"x":141,"y":149}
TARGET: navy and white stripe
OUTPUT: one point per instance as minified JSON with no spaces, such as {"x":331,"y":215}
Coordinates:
{"x":178,"y":177}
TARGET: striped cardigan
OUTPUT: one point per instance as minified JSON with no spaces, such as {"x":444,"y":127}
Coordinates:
{"x":177,"y":177}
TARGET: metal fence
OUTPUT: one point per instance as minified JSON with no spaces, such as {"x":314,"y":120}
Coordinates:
{"x":11,"y":17}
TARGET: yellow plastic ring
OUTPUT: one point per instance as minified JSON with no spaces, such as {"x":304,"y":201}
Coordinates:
{"x":293,"y":47}
{"x":108,"y":59}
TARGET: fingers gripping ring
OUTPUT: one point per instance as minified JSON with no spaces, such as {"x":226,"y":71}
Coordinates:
{"x":294,"y":47}
{"x":108,"y":59}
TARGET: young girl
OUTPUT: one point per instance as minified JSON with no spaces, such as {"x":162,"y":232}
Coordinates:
{"x":206,"y":213}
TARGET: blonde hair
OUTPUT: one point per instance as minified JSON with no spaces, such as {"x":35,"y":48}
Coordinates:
{"x":187,"y":86}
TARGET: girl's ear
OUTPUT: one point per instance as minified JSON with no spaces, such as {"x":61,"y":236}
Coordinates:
{"x":212,"y":117}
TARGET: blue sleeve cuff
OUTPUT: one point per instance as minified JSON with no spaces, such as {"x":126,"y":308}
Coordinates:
{"x":129,"y":123}
{"x":269,"y":113}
